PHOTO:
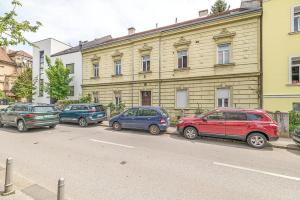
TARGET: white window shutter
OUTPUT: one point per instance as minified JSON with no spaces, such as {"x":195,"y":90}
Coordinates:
{"x":181,"y":99}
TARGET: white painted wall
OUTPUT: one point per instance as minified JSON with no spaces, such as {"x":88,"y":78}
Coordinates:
{"x":75,"y":58}
{"x":51,"y":46}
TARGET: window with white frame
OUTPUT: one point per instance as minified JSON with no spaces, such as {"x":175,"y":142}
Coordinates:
{"x":223,"y":97}
{"x":96,"y":97}
{"x":181,"y":99}
{"x":182,"y":59}
{"x":118,"y":67}
{"x":223,"y":54}
{"x":71,"y":67}
{"x":296,"y":19}
{"x":72,"y":89}
{"x":295,"y":70}
{"x":96,"y":69}
{"x":146,"y":63}
{"x":118,"y":99}
{"x":296,"y":107}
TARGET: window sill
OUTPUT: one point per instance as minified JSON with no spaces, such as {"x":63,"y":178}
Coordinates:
{"x":181,"y":108}
{"x":293,"y":84}
{"x":225,"y":65}
{"x":117,"y":75}
{"x":147,"y":72}
{"x":294,"y":33}
{"x":182,"y":69}
{"x":94,"y":78}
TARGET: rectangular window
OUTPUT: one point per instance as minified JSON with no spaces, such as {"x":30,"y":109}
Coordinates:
{"x":182,"y":59}
{"x":71,"y":91}
{"x":295,"y":70}
{"x":223,"y":54}
{"x":96,"y":97}
{"x":296,"y":107}
{"x":296,"y":19}
{"x":96,"y":70}
{"x":235,"y":116}
{"x":70,"y":67}
{"x":118,"y":67}
{"x":41,"y":88}
{"x":223,"y":97}
{"x":146,"y":63}
{"x":181,"y":99}
{"x":146,"y":98}
{"x":118,"y":99}
{"x":42,"y":59}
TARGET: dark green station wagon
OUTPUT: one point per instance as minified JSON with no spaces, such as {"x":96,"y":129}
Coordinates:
{"x":26,"y":116}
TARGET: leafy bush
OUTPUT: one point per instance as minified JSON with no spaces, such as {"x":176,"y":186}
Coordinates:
{"x":86,"y":99}
{"x":294,"y":120}
{"x":116,"y":109}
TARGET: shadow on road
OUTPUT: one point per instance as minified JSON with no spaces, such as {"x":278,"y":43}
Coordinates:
{"x":11,"y":129}
{"x":292,"y":146}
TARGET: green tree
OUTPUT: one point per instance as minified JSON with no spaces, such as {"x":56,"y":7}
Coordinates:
{"x":59,"y":79}
{"x":219,"y":7}
{"x":11,"y":30}
{"x":24,"y":87}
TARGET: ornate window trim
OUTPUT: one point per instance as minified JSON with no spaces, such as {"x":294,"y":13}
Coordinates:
{"x":117,"y":55}
{"x":182,"y":44}
{"x":145,"y":50}
{"x":224,"y":36}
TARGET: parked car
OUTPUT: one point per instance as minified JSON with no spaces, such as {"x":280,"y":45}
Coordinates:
{"x":26,"y":116}
{"x":83,"y":114}
{"x":255,"y":127}
{"x":296,"y":136}
{"x":154,"y":119}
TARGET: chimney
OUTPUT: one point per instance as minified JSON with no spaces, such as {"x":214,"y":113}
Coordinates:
{"x":250,"y":4}
{"x":203,"y":13}
{"x":80,"y":44}
{"x":176,"y":20}
{"x":131,"y":30}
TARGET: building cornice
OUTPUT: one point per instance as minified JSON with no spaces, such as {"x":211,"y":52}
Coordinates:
{"x":255,"y":74}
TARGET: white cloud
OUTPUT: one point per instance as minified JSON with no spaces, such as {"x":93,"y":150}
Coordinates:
{"x":74,"y":20}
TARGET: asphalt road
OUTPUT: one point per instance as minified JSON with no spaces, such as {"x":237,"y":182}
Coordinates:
{"x":98,"y":163}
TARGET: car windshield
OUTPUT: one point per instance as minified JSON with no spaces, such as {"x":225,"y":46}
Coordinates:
{"x":43,"y":109}
{"x":98,"y":108}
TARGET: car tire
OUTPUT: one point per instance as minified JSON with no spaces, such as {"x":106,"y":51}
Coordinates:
{"x":116,"y":126}
{"x":257,"y":140}
{"x":82,"y":122}
{"x":190,"y":133}
{"x":52,"y":126}
{"x":154,"y":130}
{"x":21,"y":126}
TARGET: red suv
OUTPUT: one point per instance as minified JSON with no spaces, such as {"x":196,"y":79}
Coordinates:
{"x":254,"y":126}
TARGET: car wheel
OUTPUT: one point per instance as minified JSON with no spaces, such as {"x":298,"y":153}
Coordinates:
{"x":82,"y":122}
{"x":257,"y":140}
{"x":190,"y":133}
{"x":154,"y":130}
{"x":21,"y":126}
{"x":116,"y":126}
{"x":52,"y":126}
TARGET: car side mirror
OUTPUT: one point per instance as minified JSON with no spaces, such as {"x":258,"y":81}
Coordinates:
{"x":204,"y":119}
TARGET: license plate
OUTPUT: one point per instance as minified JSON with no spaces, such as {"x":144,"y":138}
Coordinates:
{"x":45,"y":117}
{"x":99,"y":115}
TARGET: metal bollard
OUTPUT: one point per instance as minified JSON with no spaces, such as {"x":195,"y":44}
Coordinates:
{"x":9,"y":187}
{"x":61,"y":189}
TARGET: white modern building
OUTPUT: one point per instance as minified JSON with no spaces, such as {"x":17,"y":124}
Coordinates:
{"x":71,"y":57}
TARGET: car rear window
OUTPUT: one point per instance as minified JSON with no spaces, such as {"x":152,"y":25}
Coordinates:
{"x":43,"y":109}
{"x":254,"y":117}
{"x":98,"y":108}
{"x":164,"y":112}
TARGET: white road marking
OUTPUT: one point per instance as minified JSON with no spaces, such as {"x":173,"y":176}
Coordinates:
{"x":111,"y":143}
{"x":258,"y":171}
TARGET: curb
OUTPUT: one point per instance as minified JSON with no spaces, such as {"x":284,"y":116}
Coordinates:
{"x":292,"y":147}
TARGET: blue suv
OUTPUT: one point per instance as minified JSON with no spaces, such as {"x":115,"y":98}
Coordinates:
{"x":83,"y":114}
{"x":154,"y":119}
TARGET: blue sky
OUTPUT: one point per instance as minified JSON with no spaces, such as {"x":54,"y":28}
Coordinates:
{"x":74,"y":20}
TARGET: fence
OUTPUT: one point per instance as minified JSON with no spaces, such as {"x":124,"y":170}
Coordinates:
{"x":282,"y":120}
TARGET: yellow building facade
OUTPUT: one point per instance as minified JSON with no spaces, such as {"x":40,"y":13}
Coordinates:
{"x":281,"y":55}
{"x":204,"y":63}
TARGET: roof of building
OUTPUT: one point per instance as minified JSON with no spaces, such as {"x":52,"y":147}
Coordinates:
{"x":4,"y":56}
{"x":84,"y":45}
{"x":233,"y":12}
{"x":21,"y":53}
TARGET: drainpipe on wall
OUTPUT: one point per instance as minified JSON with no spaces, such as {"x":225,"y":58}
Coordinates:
{"x":132,"y":57}
{"x":261,"y":57}
{"x":159,"y":71}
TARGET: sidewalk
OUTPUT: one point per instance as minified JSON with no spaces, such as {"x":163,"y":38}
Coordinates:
{"x":24,"y":189}
{"x":282,"y":143}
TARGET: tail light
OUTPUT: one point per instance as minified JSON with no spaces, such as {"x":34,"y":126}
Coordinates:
{"x":29,"y":115}
{"x":162,"y":121}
